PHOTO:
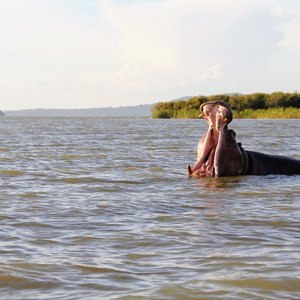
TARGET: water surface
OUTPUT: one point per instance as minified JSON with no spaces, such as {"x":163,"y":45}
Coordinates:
{"x":97,"y":208}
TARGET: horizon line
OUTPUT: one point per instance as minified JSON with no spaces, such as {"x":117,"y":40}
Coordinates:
{"x":86,"y":108}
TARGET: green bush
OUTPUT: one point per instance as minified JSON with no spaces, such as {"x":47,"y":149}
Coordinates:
{"x":243,"y":105}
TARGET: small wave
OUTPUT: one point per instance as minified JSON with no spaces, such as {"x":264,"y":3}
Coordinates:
{"x":70,"y":156}
{"x":283,"y":284}
{"x":97,"y":269}
{"x":30,"y":195}
{"x":72,"y":180}
{"x":11,"y":172}
{"x":89,"y":179}
{"x":83,"y":180}
{"x":34,"y":224}
{"x":23,"y":282}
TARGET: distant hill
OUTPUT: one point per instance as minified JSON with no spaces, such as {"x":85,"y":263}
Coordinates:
{"x":122,"y":111}
{"x":1,"y":113}
{"x":143,"y":110}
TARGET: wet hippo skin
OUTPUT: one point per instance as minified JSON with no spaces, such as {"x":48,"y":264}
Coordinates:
{"x":220,"y":155}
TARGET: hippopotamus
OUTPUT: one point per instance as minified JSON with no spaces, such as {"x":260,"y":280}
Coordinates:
{"x":220,"y":155}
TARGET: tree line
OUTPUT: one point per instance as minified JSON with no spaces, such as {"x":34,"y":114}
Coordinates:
{"x":238,"y":102}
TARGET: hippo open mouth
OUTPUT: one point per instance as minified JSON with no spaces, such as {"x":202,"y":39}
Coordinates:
{"x":220,"y":155}
{"x":211,"y":146}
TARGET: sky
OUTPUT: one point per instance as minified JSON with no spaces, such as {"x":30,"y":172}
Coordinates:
{"x":101,"y":53}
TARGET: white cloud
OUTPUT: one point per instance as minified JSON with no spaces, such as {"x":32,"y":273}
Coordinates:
{"x":184,"y":39}
{"x":291,"y":39}
{"x":142,"y":51}
{"x":212,"y":73}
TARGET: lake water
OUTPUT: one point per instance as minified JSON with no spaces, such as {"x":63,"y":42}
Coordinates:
{"x":96,"y":208}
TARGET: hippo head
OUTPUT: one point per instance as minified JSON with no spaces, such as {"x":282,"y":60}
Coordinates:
{"x":218,"y":152}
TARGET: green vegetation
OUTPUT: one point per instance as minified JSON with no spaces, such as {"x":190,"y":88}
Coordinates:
{"x":269,"y":113}
{"x":277,"y":105}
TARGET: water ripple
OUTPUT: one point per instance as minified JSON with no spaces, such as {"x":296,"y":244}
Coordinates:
{"x":89,"y":213}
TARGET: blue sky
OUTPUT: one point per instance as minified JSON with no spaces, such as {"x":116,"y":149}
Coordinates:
{"x":99,"y":53}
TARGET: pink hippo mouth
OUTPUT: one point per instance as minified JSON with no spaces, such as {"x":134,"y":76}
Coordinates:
{"x":218,"y":115}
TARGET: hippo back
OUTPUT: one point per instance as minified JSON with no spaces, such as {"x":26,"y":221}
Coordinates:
{"x":264,"y":164}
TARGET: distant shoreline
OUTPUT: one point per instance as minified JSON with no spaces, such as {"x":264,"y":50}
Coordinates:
{"x":277,"y":105}
{"x":143,"y":110}
{"x":269,"y":113}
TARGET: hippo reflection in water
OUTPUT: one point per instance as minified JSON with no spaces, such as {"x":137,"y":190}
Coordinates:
{"x":220,"y":155}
